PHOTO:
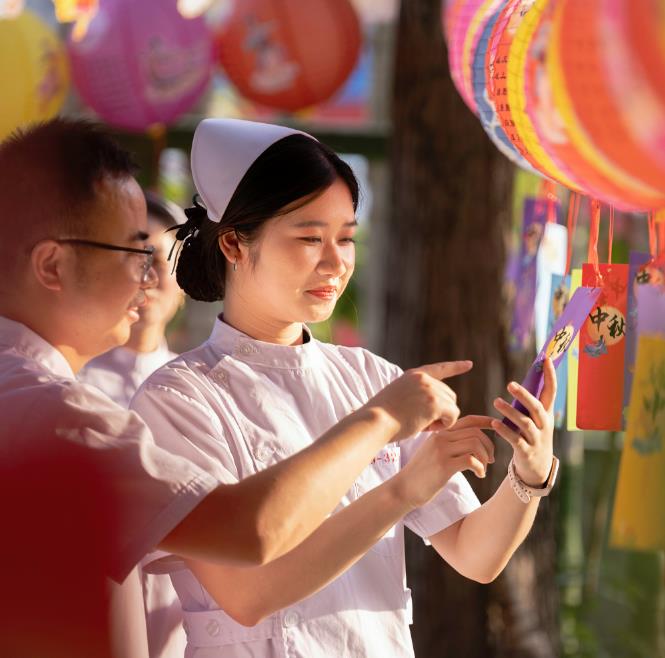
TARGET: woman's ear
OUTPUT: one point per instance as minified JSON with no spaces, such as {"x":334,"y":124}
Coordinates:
{"x":47,"y":260}
{"x":230,"y":246}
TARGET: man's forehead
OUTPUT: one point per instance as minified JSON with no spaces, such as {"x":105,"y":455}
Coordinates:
{"x":122,"y":208}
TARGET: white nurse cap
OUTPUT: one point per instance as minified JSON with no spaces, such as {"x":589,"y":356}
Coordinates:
{"x":222,"y":152}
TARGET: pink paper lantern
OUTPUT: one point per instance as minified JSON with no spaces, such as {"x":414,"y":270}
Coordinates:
{"x":289,"y":54}
{"x":141,"y":63}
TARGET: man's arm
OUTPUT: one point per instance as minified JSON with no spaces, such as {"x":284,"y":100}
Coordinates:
{"x":268,"y":514}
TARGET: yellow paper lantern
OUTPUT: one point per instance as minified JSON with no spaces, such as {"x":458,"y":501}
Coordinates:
{"x":518,"y":76}
{"x":34,"y":74}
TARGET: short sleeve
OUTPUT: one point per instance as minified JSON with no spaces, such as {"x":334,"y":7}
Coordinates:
{"x":183,"y":422}
{"x":150,"y":490}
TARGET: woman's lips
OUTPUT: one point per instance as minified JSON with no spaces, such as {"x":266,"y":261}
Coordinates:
{"x":323,"y":293}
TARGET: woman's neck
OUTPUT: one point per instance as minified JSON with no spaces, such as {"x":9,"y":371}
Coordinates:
{"x":261,"y":328}
{"x":145,"y":339}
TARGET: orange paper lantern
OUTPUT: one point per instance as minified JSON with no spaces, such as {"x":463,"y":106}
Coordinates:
{"x":289,"y":54}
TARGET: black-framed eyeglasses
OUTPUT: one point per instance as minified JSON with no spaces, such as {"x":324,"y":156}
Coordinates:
{"x":148,"y":252}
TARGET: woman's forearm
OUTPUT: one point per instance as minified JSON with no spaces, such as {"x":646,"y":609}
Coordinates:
{"x":480,"y":545}
{"x":250,"y":594}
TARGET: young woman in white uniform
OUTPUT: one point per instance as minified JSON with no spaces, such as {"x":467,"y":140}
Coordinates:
{"x":277,"y":247}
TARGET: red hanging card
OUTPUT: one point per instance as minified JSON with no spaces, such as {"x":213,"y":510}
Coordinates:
{"x":602,"y":350}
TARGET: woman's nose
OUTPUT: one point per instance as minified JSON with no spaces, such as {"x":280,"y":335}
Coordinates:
{"x":332,"y":262}
{"x":150,"y":280}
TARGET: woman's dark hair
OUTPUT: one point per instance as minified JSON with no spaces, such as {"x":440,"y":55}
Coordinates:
{"x":295,"y":168}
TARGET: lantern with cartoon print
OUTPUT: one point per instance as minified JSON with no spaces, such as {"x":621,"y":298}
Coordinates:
{"x":141,"y":63}
{"x":34,"y":74}
{"x":292,"y":54}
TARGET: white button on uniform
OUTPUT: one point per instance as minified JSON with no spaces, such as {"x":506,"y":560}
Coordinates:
{"x":291,"y":618}
{"x":213,"y":628}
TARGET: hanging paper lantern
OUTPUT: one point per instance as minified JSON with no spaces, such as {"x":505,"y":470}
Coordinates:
{"x":290,"y":54}
{"x":580,"y":56}
{"x":34,"y":75}
{"x":527,"y":90}
{"x":538,"y":121}
{"x":141,"y":63}
{"x":507,"y":44}
{"x":491,"y":9}
{"x":461,"y":23}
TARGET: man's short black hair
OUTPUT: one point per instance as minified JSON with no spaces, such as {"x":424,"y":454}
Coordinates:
{"x":49,"y":174}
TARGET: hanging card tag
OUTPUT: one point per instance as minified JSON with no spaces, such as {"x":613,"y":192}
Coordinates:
{"x":636,"y":262}
{"x":602,"y":351}
{"x":560,"y":294}
{"x":651,"y":310}
{"x":573,"y":362}
{"x":562,"y":335}
{"x":638,"y":519}
{"x":533,"y":227}
{"x":551,"y":260}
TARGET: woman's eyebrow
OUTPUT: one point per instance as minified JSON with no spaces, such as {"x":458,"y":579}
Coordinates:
{"x":314,"y":223}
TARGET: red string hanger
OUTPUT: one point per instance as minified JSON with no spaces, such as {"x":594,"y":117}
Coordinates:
{"x":573,"y":213}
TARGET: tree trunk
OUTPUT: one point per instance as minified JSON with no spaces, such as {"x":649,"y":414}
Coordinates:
{"x":443,"y":275}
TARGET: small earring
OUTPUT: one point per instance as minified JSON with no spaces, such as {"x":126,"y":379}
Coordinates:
{"x":235,"y":265}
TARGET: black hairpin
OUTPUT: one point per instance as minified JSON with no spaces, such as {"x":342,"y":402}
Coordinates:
{"x":196,"y":215}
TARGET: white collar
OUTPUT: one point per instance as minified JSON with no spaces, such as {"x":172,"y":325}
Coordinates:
{"x":15,"y":335}
{"x":225,"y":340}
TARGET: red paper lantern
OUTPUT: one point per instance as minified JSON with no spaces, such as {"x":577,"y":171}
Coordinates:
{"x":582,"y":28}
{"x":289,"y":54}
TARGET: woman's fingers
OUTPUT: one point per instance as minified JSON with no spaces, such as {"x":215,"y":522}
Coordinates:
{"x":445,"y":369}
{"x":475,"y":435}
{"x":517,"y":441}
{"x":469,"y":462}
{"x":472,"y":446}
{"x":548,"y":394}
{"x":530,"y":402}
{"x":479,"y":422}
{"x":525,"y":424}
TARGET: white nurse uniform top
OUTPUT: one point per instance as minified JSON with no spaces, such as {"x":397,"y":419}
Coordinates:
{"x":249,"y":404}
{"x":118,"y":373}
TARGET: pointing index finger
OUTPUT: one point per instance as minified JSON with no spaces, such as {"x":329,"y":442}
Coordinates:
{"x":445,"y":369}
{"x":476,"y":421}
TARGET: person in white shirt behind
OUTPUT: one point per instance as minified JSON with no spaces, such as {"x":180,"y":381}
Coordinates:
{"x":120,"y":371}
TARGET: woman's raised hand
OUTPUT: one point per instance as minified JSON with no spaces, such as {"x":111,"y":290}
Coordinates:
{"x":532,"y":442}
{"x":419,"y":400}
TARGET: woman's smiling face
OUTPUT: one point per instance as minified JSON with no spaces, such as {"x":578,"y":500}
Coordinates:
{"x":301,"y":263}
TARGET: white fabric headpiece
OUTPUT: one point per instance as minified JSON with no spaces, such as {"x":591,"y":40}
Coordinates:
{"x":222,"y":152}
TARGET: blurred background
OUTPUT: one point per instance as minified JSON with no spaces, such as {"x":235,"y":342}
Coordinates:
{"x":454,"y":116}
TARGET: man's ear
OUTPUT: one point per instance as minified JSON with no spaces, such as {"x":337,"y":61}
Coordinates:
{"x":47,"y":259}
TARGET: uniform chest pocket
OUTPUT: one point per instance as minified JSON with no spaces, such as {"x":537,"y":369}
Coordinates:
{"x":385,"y":465}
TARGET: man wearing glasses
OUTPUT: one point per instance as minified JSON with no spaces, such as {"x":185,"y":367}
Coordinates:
{"x":80,"y":474}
